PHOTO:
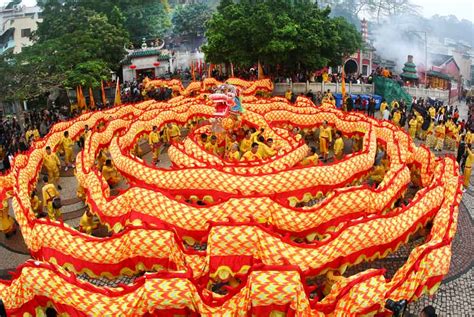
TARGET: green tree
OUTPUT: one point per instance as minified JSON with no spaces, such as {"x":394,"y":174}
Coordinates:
{"x":190,"y":20}
{"x":75,"y":45}
{"x":296,"y":35}
{"x":145,"y":18}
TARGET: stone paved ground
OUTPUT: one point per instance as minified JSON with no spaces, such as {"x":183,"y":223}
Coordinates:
{"x":454,"y":297}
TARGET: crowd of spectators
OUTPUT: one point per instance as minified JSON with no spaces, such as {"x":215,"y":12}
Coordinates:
{"x":16,"y":137}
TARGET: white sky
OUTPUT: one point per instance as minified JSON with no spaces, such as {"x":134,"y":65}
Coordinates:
{"x":462,"y":9}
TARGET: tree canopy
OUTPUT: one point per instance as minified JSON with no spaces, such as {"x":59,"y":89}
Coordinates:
{"x":296,"y":35}
{"x":190,"y":20}
{"x":74,"y":45}
{"x":78,"y":43}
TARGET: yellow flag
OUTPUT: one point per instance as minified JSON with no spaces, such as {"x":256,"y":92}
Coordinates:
{"x":81,"y":101}
{"x":343,"y":85}
{"x":102,"y":91}
{"x":91,"y":99}
{"x":118,"y":98}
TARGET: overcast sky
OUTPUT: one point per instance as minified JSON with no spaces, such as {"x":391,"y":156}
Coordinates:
{"x":463,"y":9}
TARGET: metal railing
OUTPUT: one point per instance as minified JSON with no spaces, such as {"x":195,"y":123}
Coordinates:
{"x":299,"y":88}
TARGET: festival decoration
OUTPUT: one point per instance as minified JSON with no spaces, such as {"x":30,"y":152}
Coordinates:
{"x":249,"y":233}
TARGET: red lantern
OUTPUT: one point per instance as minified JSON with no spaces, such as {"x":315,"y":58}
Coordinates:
{"x":133,"y":66}
{"x":156,"y":64}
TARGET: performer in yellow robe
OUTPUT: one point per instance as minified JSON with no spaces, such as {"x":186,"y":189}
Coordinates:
{"x":420,"y":120}
{"x":49,"y":192}
{"x":430,"y":136}
{"x":137,"y":150}
{"x":296,"y":134}
{"x":246,"y":143}
{"x":394,"y":105}
{"x":312,"y":158}
{"x":101,"y":158}
{"x":110,"y":174}
{"x":413,"y":124}
{"x":264,"y":150}
{"x":432,"y":112}
{"x":468,"y":167}
{"x":35,"y":203}
{"x":469,"y":137}
{"x":252,"y":155}
{"x":383,"y":106}
{"x":172,"y":133}
{"x":203,"y":140}
{"x":338,"y":146}
{"x":440,"y":133}
{"x":396,"y":117}
{"x":7,"y":223}
{"x":234,"y":154}
{"x":212,"y":146}
{"x":33,"y":134}
{"x":52,"y":164}
{"x":87,"y":223}
{"x":68,"y":145}
{"x":325,"y":139}
{"x":377,"y":174}
{"x":155,"y":144}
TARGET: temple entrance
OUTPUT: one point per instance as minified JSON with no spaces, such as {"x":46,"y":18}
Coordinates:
{"x":350,"y":67}
{"x":146,"y":72}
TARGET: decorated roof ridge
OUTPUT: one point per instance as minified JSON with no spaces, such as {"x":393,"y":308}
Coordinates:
{"x":438,"y":74}
{"x":160,"y":57}
{"x":409,"y":69}
{"x":409,"y":75}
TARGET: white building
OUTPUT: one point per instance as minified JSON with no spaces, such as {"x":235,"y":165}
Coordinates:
{"x":17,"y":22}
{"x":148,"y":61}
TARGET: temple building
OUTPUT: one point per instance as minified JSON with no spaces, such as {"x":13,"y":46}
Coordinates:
{"x":150,"y":60}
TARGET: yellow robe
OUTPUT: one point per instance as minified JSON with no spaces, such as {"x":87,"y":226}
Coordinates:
{"x":469,"y":137}
{"x":310,"y":160}
{"x":7,"y":224}
{"x":339,"y":148}
{"x":432,"y":112}
{"x":172,"y":133}
{"x":211,"y":148}
{"x":245,"y":145}
{"x":111,"y":175}
{"x":234,"y":157}
{"x":49,"y":193}
{"x":265,"y":151}
{"x":67,"y":145}
{"x":87,"y":224}
{"x":468,"y":167}
{"x":35,"y":205}
{"x":420,"y":121}
{"x":250,"y":157}
{"x":413,"y":125}
{"x":52,"y":164}
{"x":396,"y":118}
{"x":154,"y":141}
{"x":440,"y":133}
{"x":325,"y":137}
